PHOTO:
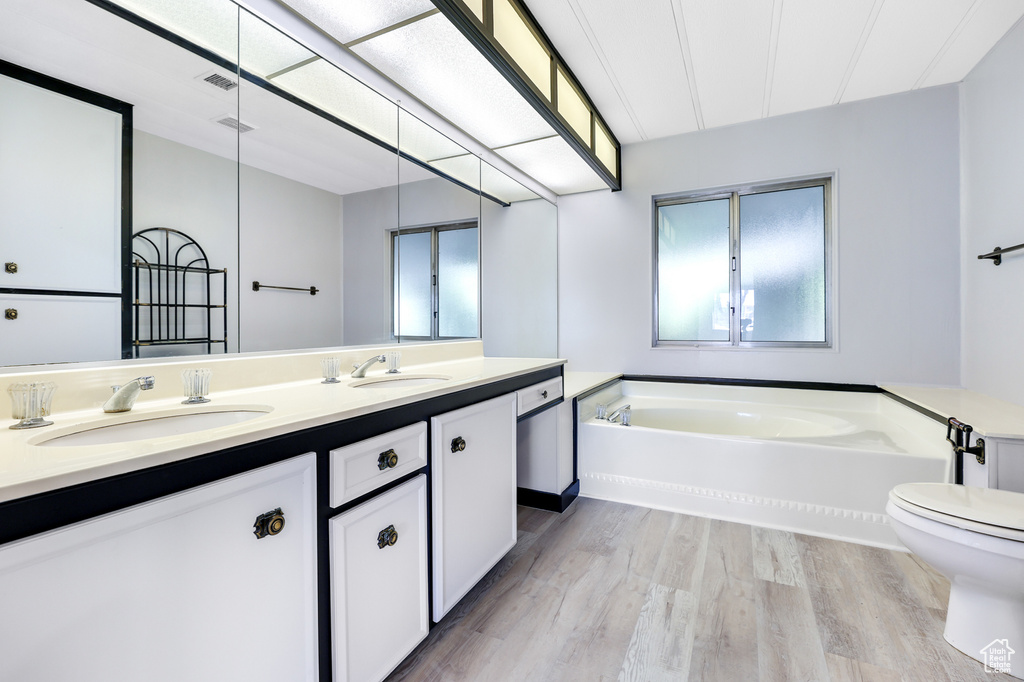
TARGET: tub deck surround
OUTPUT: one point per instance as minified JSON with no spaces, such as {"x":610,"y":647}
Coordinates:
{"x":990,"y":417}
{"x":578,"y":383}
{"x":818,"y":462}
{"x":289,"y":384}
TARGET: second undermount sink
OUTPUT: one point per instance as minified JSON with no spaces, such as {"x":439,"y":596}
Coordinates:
{"x":153,"y":425}
{"x":399,"y":380}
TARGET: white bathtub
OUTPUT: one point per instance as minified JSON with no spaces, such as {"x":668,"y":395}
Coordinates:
{"x":816,"y":462}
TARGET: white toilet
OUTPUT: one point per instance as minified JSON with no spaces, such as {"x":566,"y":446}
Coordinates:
{"x":974,"y":537}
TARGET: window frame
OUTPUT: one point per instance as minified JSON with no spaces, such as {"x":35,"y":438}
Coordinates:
{"x":434,"y":230}
{"x":733,"y":193}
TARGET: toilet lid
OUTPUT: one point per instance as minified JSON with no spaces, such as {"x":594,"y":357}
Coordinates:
{"x":984,"y":510}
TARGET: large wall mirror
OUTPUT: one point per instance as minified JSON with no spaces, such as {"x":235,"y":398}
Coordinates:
{"x":251,"y":160}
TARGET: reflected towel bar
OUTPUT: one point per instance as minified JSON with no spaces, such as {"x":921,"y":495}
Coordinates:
{"x":997,"y":253}
{"x":256,"y":286}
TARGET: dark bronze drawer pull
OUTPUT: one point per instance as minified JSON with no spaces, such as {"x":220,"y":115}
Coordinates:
{"x":458,"y":444}
{"x":387,"y":459}
{"x":387,"y":537}
{"x":269,"y":523}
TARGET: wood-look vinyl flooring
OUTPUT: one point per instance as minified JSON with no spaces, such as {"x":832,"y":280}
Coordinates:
{"x":609,"y":591}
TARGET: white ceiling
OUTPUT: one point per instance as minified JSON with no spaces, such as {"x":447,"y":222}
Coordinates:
{"x":663,"y":67}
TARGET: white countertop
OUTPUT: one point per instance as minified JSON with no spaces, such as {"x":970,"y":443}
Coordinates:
{"x":990,"y":417}
{"x":576,"y":383}
{"x":27,"y":468}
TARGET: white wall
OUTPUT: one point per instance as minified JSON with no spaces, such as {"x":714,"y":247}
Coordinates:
{"x":273,"y":230}
{"x":520,"y":277}
{"x":896,"y":162}
{"x":993,"y":178}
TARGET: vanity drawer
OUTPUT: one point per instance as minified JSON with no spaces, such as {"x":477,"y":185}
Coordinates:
{"x":361,"y":467}
{"x":538,"y":395}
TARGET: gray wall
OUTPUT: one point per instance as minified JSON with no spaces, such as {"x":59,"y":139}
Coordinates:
{"x":896,"y":275}
{"x":368,"y":218}
{"x":993,"y":178}
{"x":518,"y":263}
{"x":289,"y":235}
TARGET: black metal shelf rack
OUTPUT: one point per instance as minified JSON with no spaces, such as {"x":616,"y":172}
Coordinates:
{"x":173,"y":283}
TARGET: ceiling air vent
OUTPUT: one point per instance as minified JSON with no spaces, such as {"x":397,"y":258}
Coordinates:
{"x":218,"y":80}
{"x":232,"y":122}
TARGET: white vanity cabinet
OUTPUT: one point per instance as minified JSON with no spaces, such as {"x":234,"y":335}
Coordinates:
{"x":379,"y":582}
{"x":474,"y":495}
{"x":175,"y":589}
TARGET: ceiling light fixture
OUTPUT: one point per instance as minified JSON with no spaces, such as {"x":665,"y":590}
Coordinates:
{"x":509,"y":37}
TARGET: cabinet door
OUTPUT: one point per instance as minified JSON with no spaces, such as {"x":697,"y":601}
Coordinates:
{"x":379,"y":582}
{"x":175,"y":589}
{"x":60,"y":191}
{"x":474,"y":495}
{"x":59,"y":329}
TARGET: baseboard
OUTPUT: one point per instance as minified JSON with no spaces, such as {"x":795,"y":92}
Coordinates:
{"x":548,"y":501}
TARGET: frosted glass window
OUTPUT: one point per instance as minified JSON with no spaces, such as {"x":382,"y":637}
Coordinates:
{"x":782,"y":252}
{"x":457,"y":278}
{"x":748,"y":267}
{"x":693,"y":271}
{"x":413,"y":289}
{"x":436,"y":280}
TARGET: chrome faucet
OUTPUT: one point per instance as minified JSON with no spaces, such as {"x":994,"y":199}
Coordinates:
{"x":124,"y":396}
{"x":614,"y":415}
{"x":360,"y":370}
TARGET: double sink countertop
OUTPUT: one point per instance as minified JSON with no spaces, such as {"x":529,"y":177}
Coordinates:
{"x":252,"y":383}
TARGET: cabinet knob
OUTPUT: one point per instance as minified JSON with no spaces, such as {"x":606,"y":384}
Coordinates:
{"x":11,"y":268}
{"x":387,"y":537}
{"x":543,"y":394}
{"x":387,"y":459}
{"x":458,"y":444}
{"x":268,"y":523}
{"x":11,"y":314}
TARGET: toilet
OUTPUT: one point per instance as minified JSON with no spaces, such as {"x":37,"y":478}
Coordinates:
{"x":974,"y":537}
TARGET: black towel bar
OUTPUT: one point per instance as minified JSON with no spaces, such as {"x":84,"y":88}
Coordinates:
{"x":256,"y":286}
{"x":997,"y":253}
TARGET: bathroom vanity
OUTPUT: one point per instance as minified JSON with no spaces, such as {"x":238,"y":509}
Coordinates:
{"x":316,"y":541}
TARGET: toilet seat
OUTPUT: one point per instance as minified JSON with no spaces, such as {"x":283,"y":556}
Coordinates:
{"x":999,"y":513}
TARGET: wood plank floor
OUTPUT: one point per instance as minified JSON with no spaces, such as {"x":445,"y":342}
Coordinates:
{"x":609,"y":591}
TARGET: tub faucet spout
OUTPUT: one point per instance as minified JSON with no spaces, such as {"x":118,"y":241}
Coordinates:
{"x":360,"y":370}
{"x":615,"y":415}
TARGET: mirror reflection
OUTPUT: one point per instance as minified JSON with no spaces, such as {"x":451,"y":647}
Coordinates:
{"x":284,"y":171}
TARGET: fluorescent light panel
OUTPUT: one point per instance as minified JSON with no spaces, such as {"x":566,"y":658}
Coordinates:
{"x":432,"y":60}
{"x":519,"y":41}
{"x":497,"y":184}
{"x":573,"y":109}
{"x":209,"y":24}
{"x":353,"y":19}
{"x":554,"y":164}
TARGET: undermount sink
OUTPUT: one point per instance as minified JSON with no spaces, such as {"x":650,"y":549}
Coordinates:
{"x":153,"y":425}
{"x":399,"y":380}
